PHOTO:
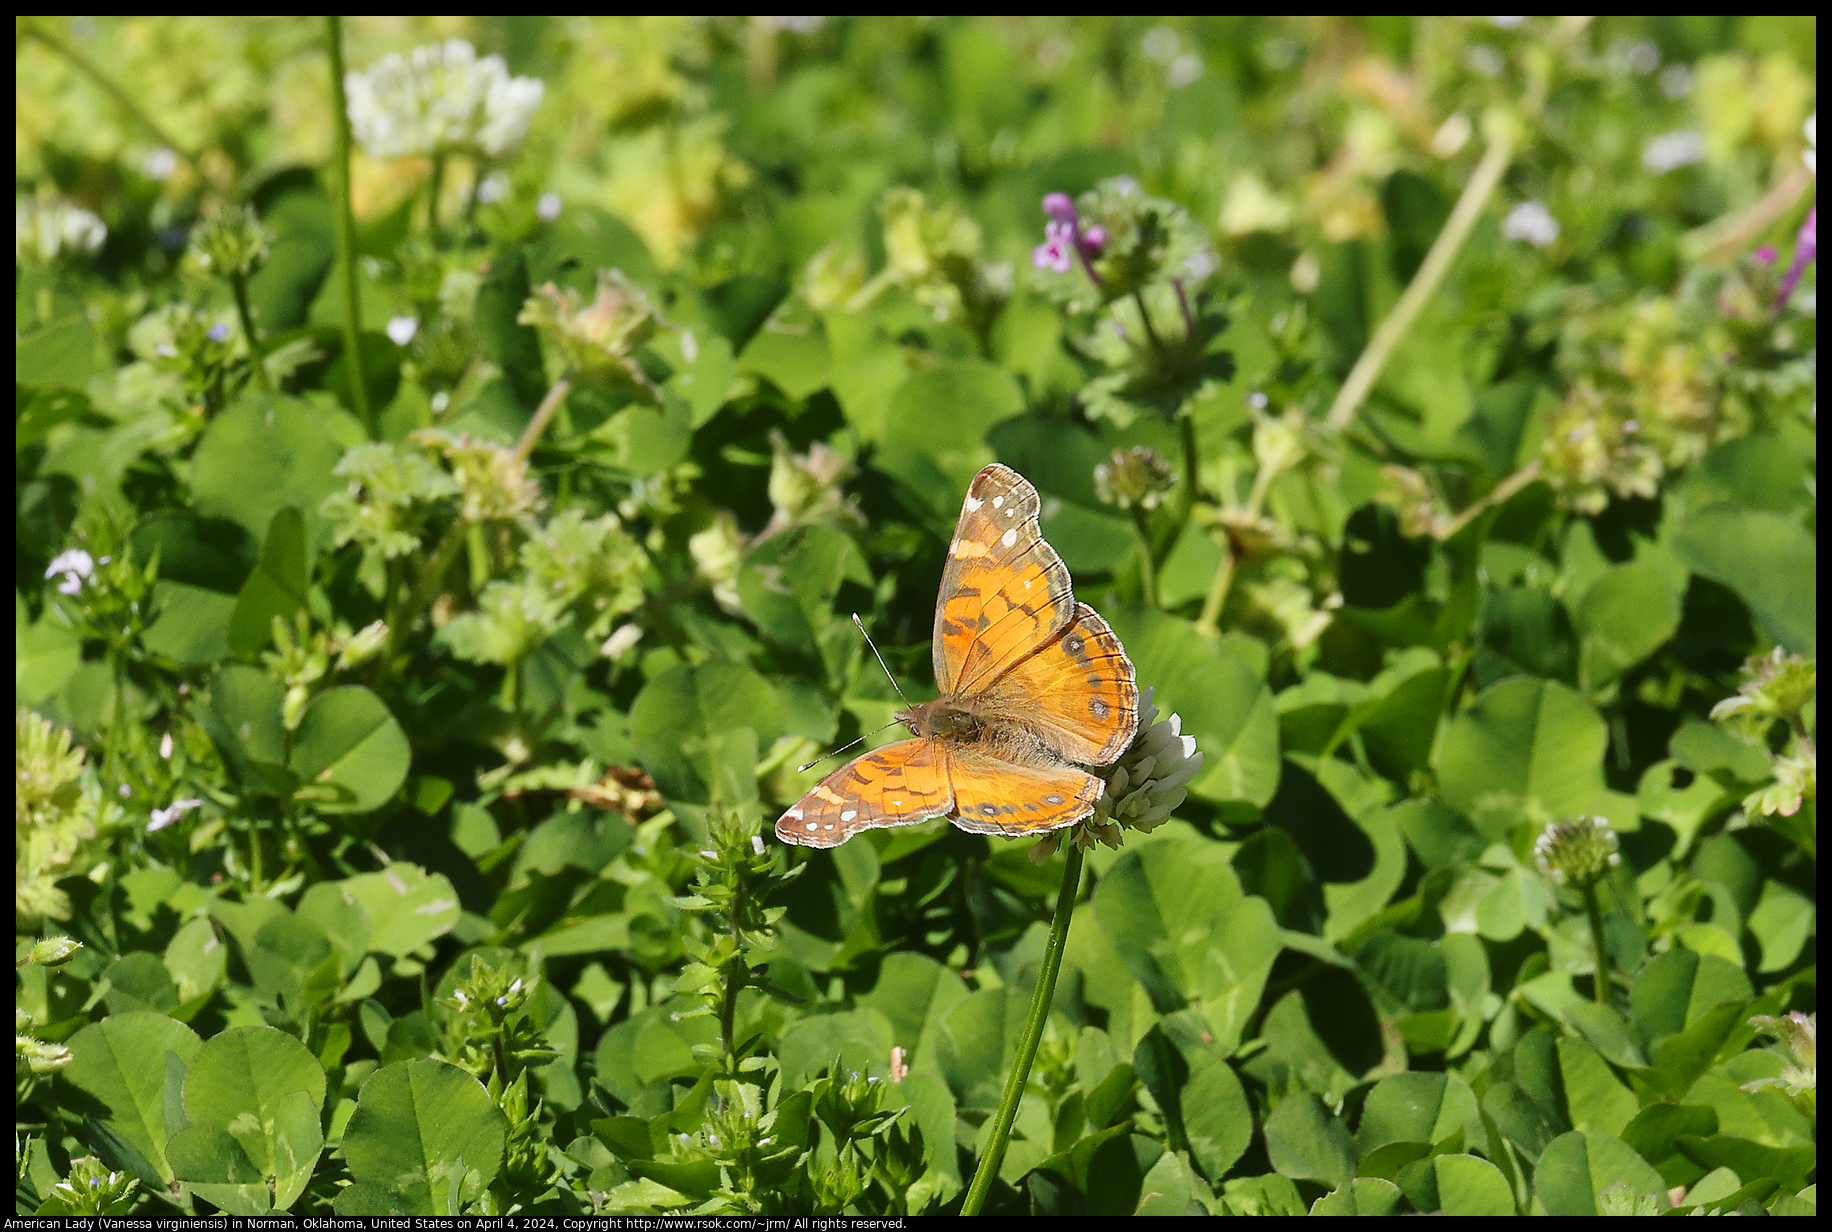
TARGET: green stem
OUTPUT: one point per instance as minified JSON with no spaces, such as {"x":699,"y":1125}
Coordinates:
{"x":1148,"y":573}
{"x":435,"y":183}
{"x":122,"y":98}
{"x":1145,"y":318}
{"x":1594,"y":910}
{"x":346,"y":225}
{"x":1033,"y":1035}
{"x":542,"y":414}
{"x":1209,"y":622}
{"x":1192,"y":470}
{"x":263,"y":381}
{"x":1481,"y":186}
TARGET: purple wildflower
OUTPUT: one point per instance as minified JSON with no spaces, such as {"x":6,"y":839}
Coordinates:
{"x":1064,"y":240}
{"x":218,"y":332}
{"x":1058,"y":206}
{"x":1806,"y":248}
{"x":1053,"y":253}
{"x":1766,"y":254}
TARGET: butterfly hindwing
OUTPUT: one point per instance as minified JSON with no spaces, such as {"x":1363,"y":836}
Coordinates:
{"x":1078,"y":690}
{"x":992,"y":796}
{"x":1004,"y":591}
{"x":898,"y":785}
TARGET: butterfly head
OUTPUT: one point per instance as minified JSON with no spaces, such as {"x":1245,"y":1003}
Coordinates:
{"x":940,"y":720}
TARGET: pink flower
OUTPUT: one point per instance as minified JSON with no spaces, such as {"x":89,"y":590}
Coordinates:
{"x":1058,"y":243}
{"x":1806,"y":248}
{"x":1058,"y":206}
{"x":1766,"y":254}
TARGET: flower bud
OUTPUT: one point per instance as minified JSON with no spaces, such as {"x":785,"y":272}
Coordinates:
{"x":1577,"y":851}
{"x":233,"y":244}
{"x":54,"y":951}
{"x":1136,"y":478}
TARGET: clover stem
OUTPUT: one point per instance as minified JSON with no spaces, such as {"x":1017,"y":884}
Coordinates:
{"x":1209,"y":622}
{"x":542,"y":414}
{"x":1033,"y":1035}
{"x":435,"y":184}
{"x":1594,"y":910}
{"x":263,"y":381}
{"x":1482,"y":184}
{"x":1148,"y":574}
{"x":346,"y":225}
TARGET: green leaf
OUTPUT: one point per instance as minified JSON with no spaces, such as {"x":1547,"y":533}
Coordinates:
{"x":976,"y":1044}
{"x":1769,"y":560}
{"x":936,"y":425}
{"x":1608,"y":1032}
{"x":46,"y":653}
{"x":276,"y":587}
{"x":139,"y":981}
{"x":264,"y":1090}
{"x":1364,"y":1195}
{"x":61,"y":354}
{"x":1192,"y":1082}
{"x":263,"y":453}
{"x":1576,"y":1167}
{"x":1625,"y":615}
{"x":1419,"y":1107}
{"x":121,"y":1063}
{"x":1166,"y":1188}
{"x":1306,"y":1143}
{"x":1457,"y":1185}
{"x":796,"y":362}
{"x":1216,"y":958}
{"x":350,"y":753}
{"x":515,"y":347}
{"x":680,"y":714}
{"x":407,"y":907}
{"x":1530,"y":748}
{"x":856,"y":1041}
{"x":1674,"y":991}
{"x":428,"y":1134}
{"x":913,"y":992}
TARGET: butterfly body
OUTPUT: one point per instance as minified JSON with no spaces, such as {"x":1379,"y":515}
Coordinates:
{"x":1033,"y":686}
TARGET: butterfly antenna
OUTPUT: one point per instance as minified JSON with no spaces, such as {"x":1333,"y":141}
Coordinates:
{"x":836,"y":752}
{"x":881,"y":662}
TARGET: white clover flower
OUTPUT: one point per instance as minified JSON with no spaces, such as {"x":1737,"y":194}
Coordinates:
{"x":438,"y":98}
{"x":402,"y":329}
{"x":1671,"y":151}
{"x":74,"y":567}
{"x":44,"y":230}
{"x":1143,"y":786}
{"x":493,"y":188}
{"x":548,"y":207}
{"x":1532,"y":223}
{"x":166,"y":816}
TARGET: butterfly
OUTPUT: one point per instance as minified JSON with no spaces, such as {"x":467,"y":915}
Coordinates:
{"x":1033,"y":685}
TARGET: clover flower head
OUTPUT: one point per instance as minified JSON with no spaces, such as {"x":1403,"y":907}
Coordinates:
{"x":438,"y":98}
{"x":494,"y":481}
{"x":1577,"y":851}
{"x":1798,"y":1081}
{"x":233,"y":244}
{"x":599,"y":338}
{"x":46,"y":229}
{"x":1532,"y":223}
{"x":1143,"y":787}
{"x":1136,"y":478}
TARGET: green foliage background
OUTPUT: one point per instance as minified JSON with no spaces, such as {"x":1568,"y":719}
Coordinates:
{"x":463,"y":910}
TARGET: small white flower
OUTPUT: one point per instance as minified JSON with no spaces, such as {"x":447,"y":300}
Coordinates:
{"x":438,"y":98}
{"x":402,"y":329}
{"x":757,"y":843}
{"x":1183,"y":70}
{"x":1671,"y":151}
{"x":166,"y":816}
{"x":1257,"y":400}
{"x":1532,"y":223}
{"x":74,"y":567}
{"x":441,"y":400}
{"x":48,"y":229}
{"x":1483,"y":58}
{"x":1160,"y":44}
{"x":165,"y":747}
{"x":548,"y":207}
{"x":493,"y":188}
{"x":1676,"y":80}
{"x":160,"y":164}
{"x":1200,"y":264}
{"x":621,"y":640}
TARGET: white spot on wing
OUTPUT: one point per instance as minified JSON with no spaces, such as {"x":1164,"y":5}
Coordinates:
{"x":797,"y":813}
{"x":1010,"y":537}
{"x":849,"y":814}
{"x":973,"y":503}
{"x":997,"y":501}
{"x":814,"y":825}
{"x":897,"y":803}
{"x":828,"y":826}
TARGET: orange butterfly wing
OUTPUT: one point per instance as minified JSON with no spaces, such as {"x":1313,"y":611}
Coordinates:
{"x":992,"y":796}
{"x":898,"y":785}
{"x":1004,"y":591}
{"x":1078,"y":692}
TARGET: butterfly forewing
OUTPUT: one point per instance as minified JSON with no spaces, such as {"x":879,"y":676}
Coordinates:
{"x":997,"y":797}
{"x":1078,"y":691}
{"x":1004,"y":591}
{"x":897,"y":785}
